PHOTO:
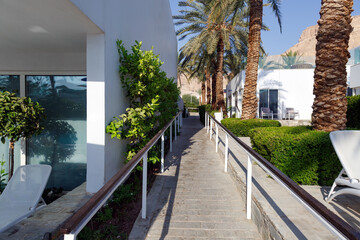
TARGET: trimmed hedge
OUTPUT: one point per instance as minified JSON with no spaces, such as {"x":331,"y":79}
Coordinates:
{"x":353,"y":112}
{"x":202,"y":110}
{"x":306,"y":156}
{"x":241,"y":128}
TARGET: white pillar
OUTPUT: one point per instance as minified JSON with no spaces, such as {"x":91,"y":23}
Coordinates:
{"x":95,"y":110}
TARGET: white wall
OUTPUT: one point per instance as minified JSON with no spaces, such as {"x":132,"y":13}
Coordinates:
{"x":126,"y":20}
{"x":355,"y":76}
{"x":43,"y":61}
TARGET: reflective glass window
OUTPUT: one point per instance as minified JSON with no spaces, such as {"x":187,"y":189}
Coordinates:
{"x":62,"y":144}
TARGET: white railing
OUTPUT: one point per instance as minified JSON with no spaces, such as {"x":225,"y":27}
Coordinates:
{"x":77,"y":222}
{"x":331,"y":221}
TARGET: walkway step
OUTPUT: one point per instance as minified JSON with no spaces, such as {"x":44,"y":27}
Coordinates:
{"x":194,"y":198}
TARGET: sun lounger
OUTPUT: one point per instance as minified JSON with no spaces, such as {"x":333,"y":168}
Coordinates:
{"x":22,"y":195}
{"x":347,"y":147}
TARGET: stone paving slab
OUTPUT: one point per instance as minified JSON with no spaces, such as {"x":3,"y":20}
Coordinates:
{"x":194,"y":198}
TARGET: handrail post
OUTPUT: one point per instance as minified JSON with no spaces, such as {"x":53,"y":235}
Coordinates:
{"x":248,"y":188}
{"x":226,"y":151}
{"x":208,"y":117}
{"x":178,"y":124}
{"x":206,"y":123}
{"x":210,"y":128}
{"x":217,"y":138}
{"x":144,"y":187}
{"x":162,"y":152}
{"x":170,"y":137}
{"x":181,"y":123}
{"x":175,"y":129}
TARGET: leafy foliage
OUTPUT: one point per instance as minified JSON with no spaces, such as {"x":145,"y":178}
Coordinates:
{"x":19,"y":117}
{"x":241,"y":128}
{"x":353,"y":112}
{"x":202,"y":110}
{"x":153,"y":99}
{"x":3,"y":175}
{"x":190,"y":100}
{"x":305,"y":155}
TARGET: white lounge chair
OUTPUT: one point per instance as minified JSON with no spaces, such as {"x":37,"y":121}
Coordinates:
{"x":22,"y":195}
{"x":347,"y":148}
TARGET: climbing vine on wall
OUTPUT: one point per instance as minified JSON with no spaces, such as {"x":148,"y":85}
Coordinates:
{"x":153,"y":99}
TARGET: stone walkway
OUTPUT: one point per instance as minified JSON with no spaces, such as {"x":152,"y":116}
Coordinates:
{"x":194,"y":198}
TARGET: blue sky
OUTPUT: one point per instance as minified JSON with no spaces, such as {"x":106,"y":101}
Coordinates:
{"x":296,"y":16}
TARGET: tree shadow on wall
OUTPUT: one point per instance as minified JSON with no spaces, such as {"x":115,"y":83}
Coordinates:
{"x":55,"y":145}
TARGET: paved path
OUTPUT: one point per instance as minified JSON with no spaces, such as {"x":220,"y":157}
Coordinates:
{"x":194,"y":198}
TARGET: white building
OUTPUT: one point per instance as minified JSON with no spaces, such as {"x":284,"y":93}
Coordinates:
{"x":279,"y":89}
{"x":63,"y":54}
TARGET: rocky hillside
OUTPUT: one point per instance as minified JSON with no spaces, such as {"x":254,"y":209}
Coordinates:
{"x":307,"y":40}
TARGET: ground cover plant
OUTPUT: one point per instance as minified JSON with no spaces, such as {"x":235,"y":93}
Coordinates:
{"x":241,"y":128}
{"x":305,"y":155}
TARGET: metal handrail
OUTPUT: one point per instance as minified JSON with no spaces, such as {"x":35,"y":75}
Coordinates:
{"x":333,"y":222}
{"x":77,"y":222}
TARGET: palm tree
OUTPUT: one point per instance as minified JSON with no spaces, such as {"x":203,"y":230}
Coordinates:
{"x":214,"y":24}
{"x":330,"y":104}
{"x":291,"y":59}
{"x":250,"y":102}
{"x":198,"y":65}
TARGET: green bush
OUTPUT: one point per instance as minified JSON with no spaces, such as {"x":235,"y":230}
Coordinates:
{"x":306,"y":156}
{"x":241,"y":128}
{"x":202,"y":110}
{"x":353,"y":112}
{"x":190,"y":100}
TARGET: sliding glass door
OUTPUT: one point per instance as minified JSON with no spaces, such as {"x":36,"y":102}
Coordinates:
{"x":63,"y":142}
{"x":269,"y":99}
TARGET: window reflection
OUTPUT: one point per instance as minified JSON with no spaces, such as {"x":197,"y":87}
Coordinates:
{"x":62,"y":144}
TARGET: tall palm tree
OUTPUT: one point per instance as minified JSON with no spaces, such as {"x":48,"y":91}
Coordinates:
{"x":330,"y":104}
{"x":215,"y":24}
{"x":250,"y":101}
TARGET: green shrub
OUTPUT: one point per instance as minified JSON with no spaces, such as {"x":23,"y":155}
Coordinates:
{"x":190,"y":100}
{"x":241,"y":128}
{"x":306,"y":156}
{"x":202,"y":110}
{"x":353,"y":112}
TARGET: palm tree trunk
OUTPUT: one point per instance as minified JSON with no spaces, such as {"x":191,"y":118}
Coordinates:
{"x":330,"y":104}
{"x":203,"y":92}
{"x":220,"y":103}
{"x":213,"y":88}
{"x":250,"y":101}
{"x":208,"y":88}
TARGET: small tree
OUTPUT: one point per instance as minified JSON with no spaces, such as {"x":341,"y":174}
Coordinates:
{"x":19,"y":117}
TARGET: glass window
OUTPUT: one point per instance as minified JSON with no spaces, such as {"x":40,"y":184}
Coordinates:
{"x":269,"y":99}
{"x":10,"y":83}
{"x":63,"y":142}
